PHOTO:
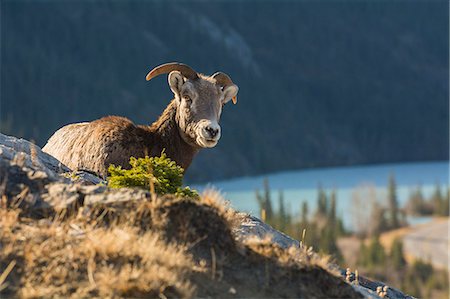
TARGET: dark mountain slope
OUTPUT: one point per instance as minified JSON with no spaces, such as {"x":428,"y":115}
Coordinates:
{"x":321,"y":83}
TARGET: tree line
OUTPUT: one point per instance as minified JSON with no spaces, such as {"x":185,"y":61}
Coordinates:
{"x":322,"y":228}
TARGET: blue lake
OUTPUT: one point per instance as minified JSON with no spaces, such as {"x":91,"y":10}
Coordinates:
{"x":356,"y":187}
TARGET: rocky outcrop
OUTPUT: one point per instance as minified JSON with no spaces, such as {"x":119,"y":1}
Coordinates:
{"x":41,"y":186}
{"x":29,"y":154}
{"x":252,"y":226}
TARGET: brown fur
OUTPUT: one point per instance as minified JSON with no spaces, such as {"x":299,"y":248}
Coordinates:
{"x":114,"y":139}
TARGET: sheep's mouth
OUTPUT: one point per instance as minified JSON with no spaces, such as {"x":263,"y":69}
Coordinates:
{"x":206,"y":142}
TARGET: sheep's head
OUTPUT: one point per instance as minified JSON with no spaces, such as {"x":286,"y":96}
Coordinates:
{"x":200,"y":100}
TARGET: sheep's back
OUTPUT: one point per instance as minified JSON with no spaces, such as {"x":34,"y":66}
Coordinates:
{"x":95,"y":145}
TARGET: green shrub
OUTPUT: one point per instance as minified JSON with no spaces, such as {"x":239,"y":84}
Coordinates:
{"x":166,"y":175}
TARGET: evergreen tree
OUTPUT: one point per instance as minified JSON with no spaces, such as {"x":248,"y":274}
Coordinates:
{"x":393,"y":204}
{"x":333,"y":219}
{"x":397,"y":258}
{"x":332,"y":210}
{"x":321,"y":201}
{"x":268,"y":200}
{"x":363,"y":256}
{"x":438,"y":201}
{"x":304,"y":224}
{"x":446,"y":207}
{"x":422,"y":269}
{"x":282,"y":217}
{"x":327,"y":242}
{"x":265,"y":202}
{"x":416,"y":203}
{"x":304,"y":215}
{"x":378,"y":220}
{"x":340,"y":229}
{"x":375,"y":253}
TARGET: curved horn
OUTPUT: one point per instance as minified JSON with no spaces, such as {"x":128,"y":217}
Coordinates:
{"x":224,"y":80}
{"x":184,"y":69}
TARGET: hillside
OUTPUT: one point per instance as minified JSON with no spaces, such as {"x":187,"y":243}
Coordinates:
{"x":322,"y":83}
{"x":61,"y":238}
{"x":169,"y":248}
{"x":64,"y":234}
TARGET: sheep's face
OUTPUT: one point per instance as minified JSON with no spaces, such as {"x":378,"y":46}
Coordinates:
{"x":200,"y":104}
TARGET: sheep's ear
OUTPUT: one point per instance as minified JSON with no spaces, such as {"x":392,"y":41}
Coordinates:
{"x":230,"y":92}
{"x":176,"y":80}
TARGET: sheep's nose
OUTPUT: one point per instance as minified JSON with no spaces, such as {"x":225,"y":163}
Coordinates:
{"x":212,"y":131}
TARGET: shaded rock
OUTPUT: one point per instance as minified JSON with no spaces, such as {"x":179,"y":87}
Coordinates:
{"x":63,"y":196}
{"x":22,"y":186}
{"x":60,"y":196}
{"x":105,"y":196}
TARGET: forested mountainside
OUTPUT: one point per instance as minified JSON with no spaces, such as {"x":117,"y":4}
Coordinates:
{"x":322,"y":83}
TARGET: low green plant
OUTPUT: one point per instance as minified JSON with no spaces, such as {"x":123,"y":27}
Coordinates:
{"x":166,"y":175}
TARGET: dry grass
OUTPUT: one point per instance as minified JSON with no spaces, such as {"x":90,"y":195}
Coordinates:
{"x":64,"y":259}
{"x":166,"y":247}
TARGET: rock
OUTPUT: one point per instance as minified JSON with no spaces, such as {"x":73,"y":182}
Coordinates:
{"x":60,"y":196}
{"x":37,"y":182}
{"x":114,"y":196}
{"x":367,"y":293}
{"x":253,"y":227}
{"x":373,"y":285}
{"x":22,"y":185}
{"x":37,"y":164}
{"x":86,"y":178}
{"x":27,"y":154}
{"x":57,"y":196}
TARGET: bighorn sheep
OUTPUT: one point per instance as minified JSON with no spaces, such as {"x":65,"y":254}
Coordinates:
{"x":190,"y":122}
